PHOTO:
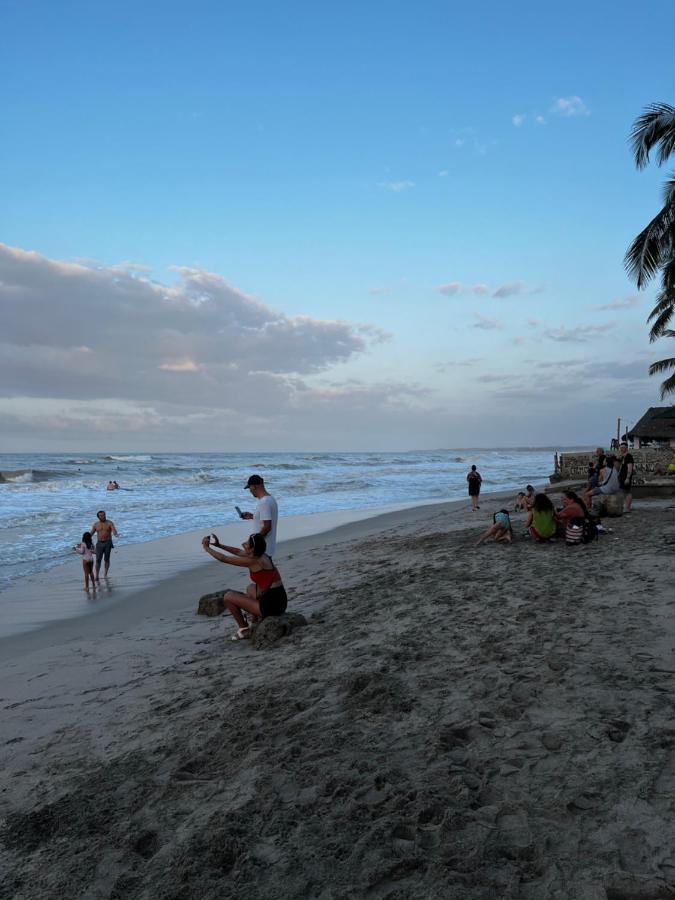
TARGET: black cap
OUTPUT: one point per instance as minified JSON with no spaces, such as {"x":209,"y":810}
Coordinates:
{"x":254,"y":479}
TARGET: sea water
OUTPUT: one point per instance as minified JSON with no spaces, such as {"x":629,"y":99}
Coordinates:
{"x":48,"y":500}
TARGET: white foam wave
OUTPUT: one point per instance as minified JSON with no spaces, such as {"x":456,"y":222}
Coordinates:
{"x":140,"y":458}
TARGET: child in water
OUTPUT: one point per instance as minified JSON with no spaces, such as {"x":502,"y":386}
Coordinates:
{"x":500,"y":529}
{"x":86,"y":550}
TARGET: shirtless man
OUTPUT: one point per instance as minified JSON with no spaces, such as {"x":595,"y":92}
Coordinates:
{"x":103,"y":529}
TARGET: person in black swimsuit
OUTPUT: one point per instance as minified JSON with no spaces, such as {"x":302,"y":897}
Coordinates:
{"x":265,"y":596}
{"x":475,"y":481}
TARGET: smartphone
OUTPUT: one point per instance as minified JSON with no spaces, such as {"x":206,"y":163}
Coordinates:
{"x":241,"y":515}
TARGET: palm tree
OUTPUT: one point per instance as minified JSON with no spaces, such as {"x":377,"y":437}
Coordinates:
{"x":653,"y":250}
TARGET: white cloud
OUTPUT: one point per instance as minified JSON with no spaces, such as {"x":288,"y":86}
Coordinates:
{"x":540,"y":120}
{"x":451,"y":289}
{"x":534,"y":323}
{"x":443,"y":173}
{"x":627,"y":303}
{"x":480,"y":289}
{"x":518,"y":119}
{"x":570,"y":106}
{"x":378,"y":291}
{"x":396,"y":187}
{"x":510,"y":289}
{"x":579,"y":335}
{"x":74,"y":333}
{"x":485,"y":323}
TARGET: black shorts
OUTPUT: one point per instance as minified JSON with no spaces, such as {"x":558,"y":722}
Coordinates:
{"x":627,"y":487}
{"x":103,"y":549}
{"x":474,"y":490}
{"x":273,"y":602}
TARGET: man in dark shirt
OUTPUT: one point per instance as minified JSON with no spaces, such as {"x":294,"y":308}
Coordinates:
{"x":626,"y":475}
{"x":594,"y":469}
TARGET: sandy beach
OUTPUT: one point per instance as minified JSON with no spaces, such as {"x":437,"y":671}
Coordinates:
{"x":453,"y":722}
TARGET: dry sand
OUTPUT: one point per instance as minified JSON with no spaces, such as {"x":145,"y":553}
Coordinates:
{"x":453,"y":723}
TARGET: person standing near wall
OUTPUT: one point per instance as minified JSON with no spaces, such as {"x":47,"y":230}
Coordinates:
{"x":626,"y":476}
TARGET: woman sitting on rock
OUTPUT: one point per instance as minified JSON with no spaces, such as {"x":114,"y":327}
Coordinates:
{"x":266,"y":595}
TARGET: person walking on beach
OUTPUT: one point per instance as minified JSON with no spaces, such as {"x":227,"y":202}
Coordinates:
{"x":626,"y":475}
{"x":86,"y":550}
{"x":266,"y":512}
{"x":265,"y":596}
{"x":104,"y":529}
{"x":474,"y":479}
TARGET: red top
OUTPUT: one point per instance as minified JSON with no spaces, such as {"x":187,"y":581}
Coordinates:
{"x":265,"y":578}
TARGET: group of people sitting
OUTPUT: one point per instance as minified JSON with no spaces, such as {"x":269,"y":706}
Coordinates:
{"x":571,"y":521}
{"x":577,"y":519}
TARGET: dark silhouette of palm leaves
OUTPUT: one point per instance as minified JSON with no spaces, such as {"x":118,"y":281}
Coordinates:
{"x":653,"y":250}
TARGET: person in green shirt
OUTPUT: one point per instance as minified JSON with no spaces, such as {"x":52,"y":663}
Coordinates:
{"x":541,"y":520}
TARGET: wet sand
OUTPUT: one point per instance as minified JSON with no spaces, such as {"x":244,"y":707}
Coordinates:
{"x":453,"y":722}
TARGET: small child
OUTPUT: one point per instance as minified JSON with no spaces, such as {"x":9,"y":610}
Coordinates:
{"x":521,"y":503}
{"x":86,"y":551}
{"x":500,"y":529}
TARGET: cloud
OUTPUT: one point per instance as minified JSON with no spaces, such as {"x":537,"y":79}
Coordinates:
{"x":451,"y":289}
{"x":570,"y":106}
{"x":579,"y":335}
{"x":396,"y":187}
{"x":540,"y":120}
{"x":443,"y":173}
{"x":626,"y":303}
{"x":518,"y":119}
{"x":485,"y":323}
{"x":378,"y":291}
{"x":480,"y":289}
{"x":534,"y":323}
{"x":510,"y":289}
{"x":74,"y":333}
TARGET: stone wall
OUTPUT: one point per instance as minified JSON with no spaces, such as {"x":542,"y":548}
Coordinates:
{"x":574,"y":466}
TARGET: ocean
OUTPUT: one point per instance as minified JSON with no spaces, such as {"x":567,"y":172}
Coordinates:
{"x":48,"y":500}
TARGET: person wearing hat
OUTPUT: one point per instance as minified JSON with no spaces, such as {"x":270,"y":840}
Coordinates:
{"x":266,"y":512}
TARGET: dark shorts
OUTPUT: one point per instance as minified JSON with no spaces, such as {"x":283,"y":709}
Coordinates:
{"x":103,"y":549}
{"x":627,"y":487}
{"x":474,"y":490}
{"x":273,"y":602}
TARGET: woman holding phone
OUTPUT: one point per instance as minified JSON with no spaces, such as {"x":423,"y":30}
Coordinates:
{"x":265,"y":596}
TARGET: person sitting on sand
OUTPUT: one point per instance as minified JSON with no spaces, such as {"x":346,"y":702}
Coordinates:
{"x":86,"y":550}
{"x":501,"y":529}
{"x":475,"y":481}
{"x":521,"y":503}
{"x":573,"y":507}
{"x":266,"y":595}
{"x":530,"y":494}
{"x":541,"y":520}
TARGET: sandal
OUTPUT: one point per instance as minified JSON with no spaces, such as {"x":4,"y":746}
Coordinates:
{"x":241,"y":634}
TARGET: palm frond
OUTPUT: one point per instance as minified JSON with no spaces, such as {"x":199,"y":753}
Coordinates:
{"x":652,"y":248}
{"x":663,"y":365}
{"x":654,"y":128}
{"x":668,"y":386}
{"x":669,"y":191}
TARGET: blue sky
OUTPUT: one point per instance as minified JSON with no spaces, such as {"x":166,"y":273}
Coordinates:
{"x":372,"y":165}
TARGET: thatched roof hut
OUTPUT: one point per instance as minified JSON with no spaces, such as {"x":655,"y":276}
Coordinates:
{"x":657,"y":424}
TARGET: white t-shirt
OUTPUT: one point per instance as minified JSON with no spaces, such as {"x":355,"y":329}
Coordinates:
{"x":266,"y":510}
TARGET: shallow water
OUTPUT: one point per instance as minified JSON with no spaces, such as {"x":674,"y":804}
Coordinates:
{"x":52,"y":498}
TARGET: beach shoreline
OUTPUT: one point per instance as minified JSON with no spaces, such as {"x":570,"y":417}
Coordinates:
{"x":453,"y":721}
{"x":141,"y":571}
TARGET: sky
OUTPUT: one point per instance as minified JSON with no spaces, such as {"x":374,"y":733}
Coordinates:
{"x":351,"y":226}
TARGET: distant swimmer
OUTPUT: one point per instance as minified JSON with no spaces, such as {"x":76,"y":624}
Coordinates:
{"x":112,"y":486}
{"x":104,"y":529}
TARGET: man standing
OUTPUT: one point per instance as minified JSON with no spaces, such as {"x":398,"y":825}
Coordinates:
{"x":626,"y":475}
{"x":266,"y":512}
{"x":103,"y":529}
